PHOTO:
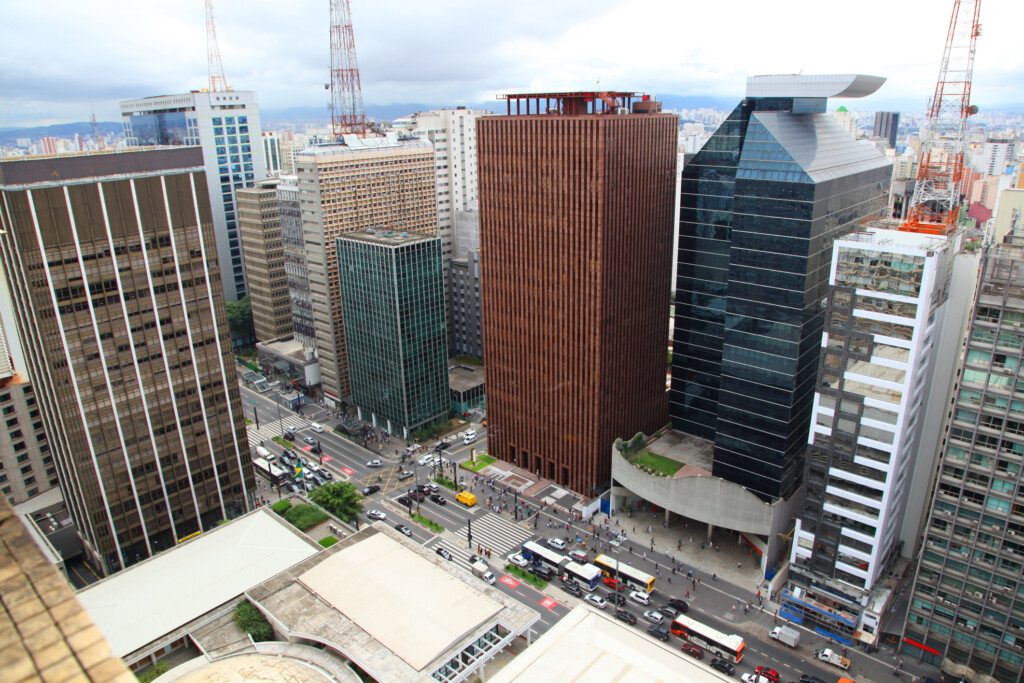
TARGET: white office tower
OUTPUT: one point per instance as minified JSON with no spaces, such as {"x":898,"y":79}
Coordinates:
{"x":452,"y":132}
{"x":886,"y":308}
{"x":227,"y":126}
{"x":272,"y":153}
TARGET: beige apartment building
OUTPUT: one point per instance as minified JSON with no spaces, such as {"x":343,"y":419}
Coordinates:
{"x":259,"y":219}
{"x":111,"y":262}
{"x":376,"y":183}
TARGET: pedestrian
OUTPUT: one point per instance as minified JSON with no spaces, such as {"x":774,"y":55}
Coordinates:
{"x":687,"y":593}
{"x":714,"y":577}
{"x":739,"y":565}
{"x":732,"y":609}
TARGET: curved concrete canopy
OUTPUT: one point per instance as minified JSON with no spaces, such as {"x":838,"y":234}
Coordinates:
{"x":813,"y":85}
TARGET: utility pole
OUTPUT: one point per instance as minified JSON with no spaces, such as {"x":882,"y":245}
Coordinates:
{"x":469,"y":532}
{"x":255,"y":415}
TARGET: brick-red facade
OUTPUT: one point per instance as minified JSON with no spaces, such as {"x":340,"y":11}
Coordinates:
{"x":576,"y":225}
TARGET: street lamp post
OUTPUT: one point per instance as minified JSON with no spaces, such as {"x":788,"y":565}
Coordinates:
{"x":255,"y":416}
{"x":280,"y":422}
{"x":469,"y":532}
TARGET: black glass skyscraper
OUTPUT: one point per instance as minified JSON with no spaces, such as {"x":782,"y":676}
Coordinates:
{"x":761,"y":204}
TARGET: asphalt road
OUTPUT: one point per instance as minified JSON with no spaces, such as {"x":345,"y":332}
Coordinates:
{"x":348,"y":460}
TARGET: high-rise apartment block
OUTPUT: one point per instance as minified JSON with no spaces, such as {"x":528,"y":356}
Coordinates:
{"x":294,"y":247}
{"x":761,"y":204}
{"x":259,"y":220}
{"x":397,"y":346}
{"x":111,"y":263}
{"x":886,"y":310}
{"x":371,"y":183}
{"x":967,"y":606}
{"x":26,"y":461}
{"x":466,"y":337}
{"x":272,"y":153}
{"x":887,"y":124}
{"x":227,"y":126}
{"x":576,"y":193}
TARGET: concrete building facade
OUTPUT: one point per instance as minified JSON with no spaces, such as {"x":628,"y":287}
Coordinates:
{"x":259,"y":218}
{"x":294,"y":247}
{"x":576,"y":231}
{"x":27,"y":468}
{"x":393,"y":298}
{"x":887,"y":124}
{"x":378,"y":183}
{"x":967,"y":605}
{"x":227,"y":126}
{"x":111,"y":263}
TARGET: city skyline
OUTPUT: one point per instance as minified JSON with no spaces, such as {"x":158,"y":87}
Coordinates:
{"x":478,"y":51}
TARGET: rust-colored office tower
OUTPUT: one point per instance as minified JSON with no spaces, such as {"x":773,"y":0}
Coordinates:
{"x":576,"y":208}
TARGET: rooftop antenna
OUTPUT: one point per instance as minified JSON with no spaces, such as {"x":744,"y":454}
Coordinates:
{"x":216,"y":69}
{"x":347,"y":113}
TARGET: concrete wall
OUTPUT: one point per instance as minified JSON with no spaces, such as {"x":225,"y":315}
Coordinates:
{"x":703,"y":498}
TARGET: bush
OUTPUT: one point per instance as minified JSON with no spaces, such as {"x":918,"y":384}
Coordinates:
{"x":327,"y":541}
{"x":304,"y":516}
{"x":446,"y":482}
{"x":251,"y":620}
{"x":283,"y":443}
{"x":151,"y":672}
{"x":340,"y":498}
{"x":281,"y":506}
{"x":526,"y":576}
{"x":427,"y":522}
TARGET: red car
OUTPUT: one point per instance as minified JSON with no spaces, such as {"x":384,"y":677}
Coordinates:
{"x":614,"y":583}
{"x":771,"y":674}
{"x":692,"y":650}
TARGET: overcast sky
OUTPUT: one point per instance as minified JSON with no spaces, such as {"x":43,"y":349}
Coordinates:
{"x":61,"y":59}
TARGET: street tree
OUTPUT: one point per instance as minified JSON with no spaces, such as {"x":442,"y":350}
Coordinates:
{"x":341,"y":499}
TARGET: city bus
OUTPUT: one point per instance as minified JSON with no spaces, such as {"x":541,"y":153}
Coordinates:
{"x":535,"y":552}
{"x":631,"y":576}
{"x":269,"y":471}
{"x":586,"y":576}
{"x":728,"y":647}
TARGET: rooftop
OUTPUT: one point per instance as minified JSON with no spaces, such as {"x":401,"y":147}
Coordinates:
{"x":463,"y":377}
{"x":587,"y":645}
{"x":388,"y":238}
{"x":148,"y":600}
{"x":813,"y":85}
{"x":695,"y":453}
{"x":397,"y":631}
{"x":92,"y":164}
{"x":579,"y":102}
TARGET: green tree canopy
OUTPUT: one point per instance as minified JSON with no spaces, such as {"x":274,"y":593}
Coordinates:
{"x":340,"y":499}
{"x":240,"y":317}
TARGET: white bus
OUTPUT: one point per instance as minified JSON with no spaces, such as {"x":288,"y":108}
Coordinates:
{"x":269,"y":471}
{"x":586,"y":576}
{"x":535,"y":552}
{"x":728,"y":647}
{"x":631,"y":576}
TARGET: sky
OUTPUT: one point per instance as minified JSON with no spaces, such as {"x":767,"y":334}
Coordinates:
{"x":60,"y":60}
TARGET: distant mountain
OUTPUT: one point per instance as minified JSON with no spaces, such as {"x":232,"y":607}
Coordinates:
{"x":379,"y":112}
{"x":59,"y":130}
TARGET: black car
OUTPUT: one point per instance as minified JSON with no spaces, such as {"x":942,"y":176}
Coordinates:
{"x":438,"y":498}
{"x":668,"y":612}
{"x":542,"y":573}
{"x":571,"y":588}
{"x":808,"y":678}
{"x":623,"y":615}
{"x":659,"y":631}
{"x":326,"y":474}
{"x":616,"y":598}
{"x":368,"y":490}
{"x":418,"y":496}
{"x":679,"y":606}
{"x":721,"y":665}
{"x":422,"y":488}
{"x":403,"y":501}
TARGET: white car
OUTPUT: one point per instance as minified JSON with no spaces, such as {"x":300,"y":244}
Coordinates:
{"x":556,"y":543}
{"x":518,"y":560}
{"x":316,"y":427}
{"x":596,"y":600}
{"x":754,"y":678}
{"x":653,"y":616}
{"x":640,"y":597}
{"x":425,"y":460}
{"x":376,"y":514}
{"x":374,"y":463}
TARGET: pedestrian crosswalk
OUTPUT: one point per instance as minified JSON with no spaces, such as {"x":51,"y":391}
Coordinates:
{"x":268,"y":429}
{"x":492,"y":532}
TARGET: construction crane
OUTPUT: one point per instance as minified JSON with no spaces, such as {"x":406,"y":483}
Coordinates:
{"x":216,"y":69}
{"x":935,"y":205}
{"x":347,"y":113}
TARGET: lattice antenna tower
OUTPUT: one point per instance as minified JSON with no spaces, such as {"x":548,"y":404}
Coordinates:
{"x":347,"y":113}
{"x":216,"y":69}
{"x":938,"y":193}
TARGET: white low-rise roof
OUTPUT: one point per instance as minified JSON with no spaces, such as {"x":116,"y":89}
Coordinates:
{"x":587,"y":645}
{"x":153,"y":598}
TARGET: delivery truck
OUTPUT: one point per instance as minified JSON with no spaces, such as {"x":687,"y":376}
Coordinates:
{"x":785,"y":634}
{"x":833,"y":658}
{"x":481,"y":569}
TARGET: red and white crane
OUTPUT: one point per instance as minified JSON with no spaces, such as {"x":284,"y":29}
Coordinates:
{"x":938,"y":193}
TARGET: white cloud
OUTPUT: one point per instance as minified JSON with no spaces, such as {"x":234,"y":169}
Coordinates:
{"x":62,"y":58}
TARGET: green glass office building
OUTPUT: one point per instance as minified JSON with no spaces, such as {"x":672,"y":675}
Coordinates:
{"x":392,"y":296}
